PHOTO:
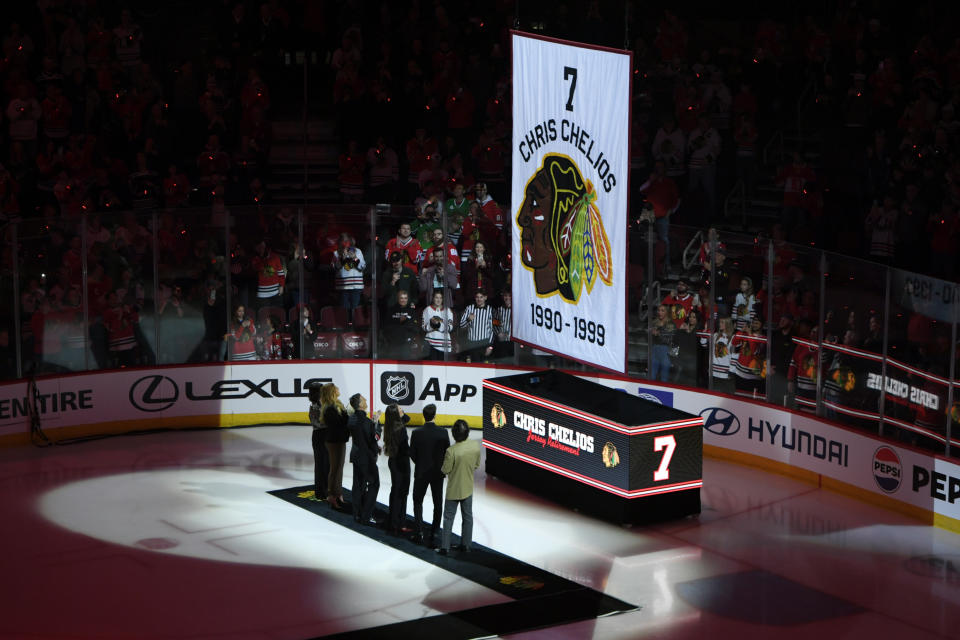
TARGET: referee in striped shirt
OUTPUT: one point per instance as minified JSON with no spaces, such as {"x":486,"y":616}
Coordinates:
{"x":477,"y":322}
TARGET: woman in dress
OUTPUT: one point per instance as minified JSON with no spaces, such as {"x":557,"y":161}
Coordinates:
{"x":335,"y":418}
{"x":321,"y":459}
{"x":397,"y":448}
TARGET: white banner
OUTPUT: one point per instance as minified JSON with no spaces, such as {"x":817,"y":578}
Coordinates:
{"x":571,"y":134}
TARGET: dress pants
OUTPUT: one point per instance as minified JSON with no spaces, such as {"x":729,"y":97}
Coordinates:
{"x":337,"y":452}
{"x":420,"y":484}
{"x":466,"y":526}
{"x":399,"y":488}
{"x":321,"y":464}
{"x":366,"y":485}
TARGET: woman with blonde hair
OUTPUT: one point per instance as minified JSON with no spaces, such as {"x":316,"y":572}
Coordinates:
{"x":335,"y":418}
{"x":321,"y":459}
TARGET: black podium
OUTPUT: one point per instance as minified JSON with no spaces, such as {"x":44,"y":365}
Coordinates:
{"x":594,"y":449}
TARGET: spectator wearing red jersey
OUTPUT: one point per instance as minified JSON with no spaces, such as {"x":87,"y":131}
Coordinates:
{"x":661,"y":192}
{"x":408,"y":247}
{"x":269,"y":339}
{"x":120,"y":320}
{"x":749,"y":347}
{"x":794,"y":177}
{"x":241,"y":337}
{"x":490,"y":209}
{"x":271,"y":275}
{"x":804,"y":368}
{"x":680,"y":302}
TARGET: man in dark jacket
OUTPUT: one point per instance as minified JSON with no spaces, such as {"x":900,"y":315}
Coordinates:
{"x":398,"y":278}
{"x":363,"y":456}
{"x":428,"y":444}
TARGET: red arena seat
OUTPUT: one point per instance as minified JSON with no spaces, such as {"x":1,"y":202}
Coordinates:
{"x":355,"y":344}
{"x":326,"y":345}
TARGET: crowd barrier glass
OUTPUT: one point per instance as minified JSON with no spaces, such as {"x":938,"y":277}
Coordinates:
{"x":872,"y":347}
{"x":917,"y":393}
{"x":854,"y":291}
{"x":9,"y":345}
{"x":338,"y":274}
{"x":795,"y":372}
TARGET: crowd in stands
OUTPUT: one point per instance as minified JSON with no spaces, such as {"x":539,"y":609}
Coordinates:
{"x":158,"y":145}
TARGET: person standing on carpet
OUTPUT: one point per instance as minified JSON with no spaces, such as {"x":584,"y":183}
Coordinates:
{"x":428,"y":444}
{"x":321,"y":458}
{"x":363,"y":455}
{"x":397,"y":449}
{"x":459,"y":463}
{"x":335,"y":418}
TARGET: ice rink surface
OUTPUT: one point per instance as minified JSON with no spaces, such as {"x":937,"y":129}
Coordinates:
{"x":173,"y":535}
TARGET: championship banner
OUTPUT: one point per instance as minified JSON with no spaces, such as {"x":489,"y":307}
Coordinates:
{"x":571,"y":133}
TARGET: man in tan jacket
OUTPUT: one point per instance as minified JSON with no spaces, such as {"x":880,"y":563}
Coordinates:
{"x":459,"y":463}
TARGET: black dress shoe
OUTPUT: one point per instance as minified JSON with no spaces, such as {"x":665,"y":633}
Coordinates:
{"x":443,"y":552}
{"x":417,"y":539}
{"x":462,"y":549}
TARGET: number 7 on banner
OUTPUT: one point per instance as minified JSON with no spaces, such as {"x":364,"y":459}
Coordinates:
{"x":670,"y":444}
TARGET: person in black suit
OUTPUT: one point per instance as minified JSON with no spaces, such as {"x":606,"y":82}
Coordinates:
{"x":363,"y":456}
{"x":428,"y":444}
{"x":397,"y":448}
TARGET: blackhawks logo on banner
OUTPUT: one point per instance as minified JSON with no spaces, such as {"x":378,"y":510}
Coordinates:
{"x":563,"y":242}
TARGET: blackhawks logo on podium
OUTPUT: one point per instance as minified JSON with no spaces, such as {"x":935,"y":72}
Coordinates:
{"x":563,"y":242}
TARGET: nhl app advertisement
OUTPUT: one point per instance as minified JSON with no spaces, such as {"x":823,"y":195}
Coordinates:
{"x":571,"y":111}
